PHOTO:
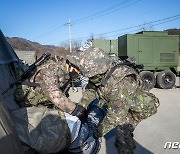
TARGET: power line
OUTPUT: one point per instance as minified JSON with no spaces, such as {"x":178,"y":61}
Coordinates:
{"x":140,"y":25}
{"x":132,"y":31}
{"x":90,"y":17}
{"x":110,"y":11}
{"x":100,"y":12}
{"x":51,"y":31}
{"x":151,"y":10}
{"x":146,"y":12}
{"x":151,"y":25}
{"x":147,"y":23}
{"x":164,"y":20}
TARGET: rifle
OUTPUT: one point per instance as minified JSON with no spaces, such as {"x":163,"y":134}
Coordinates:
{"x":73,"y":77}
{"x":27,"y":73}
{"x":65,"y":88}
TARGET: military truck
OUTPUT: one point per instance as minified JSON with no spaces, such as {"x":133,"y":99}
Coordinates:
{"x":156,"y":50}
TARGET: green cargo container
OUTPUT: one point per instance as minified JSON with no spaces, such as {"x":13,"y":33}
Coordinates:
{"x":109,"y":46}
{"x":157,"y":51}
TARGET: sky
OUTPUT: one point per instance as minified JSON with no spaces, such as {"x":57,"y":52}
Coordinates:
{"x":45,"y":21}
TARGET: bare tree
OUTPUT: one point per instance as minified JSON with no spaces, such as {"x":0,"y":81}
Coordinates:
{"x":64,"y":44}
{"x":99,"y":37}
{"x":91,"y":37}
{"x":75,"y":44}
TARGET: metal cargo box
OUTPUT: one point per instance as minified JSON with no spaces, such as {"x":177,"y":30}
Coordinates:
{"x":155,"y":50}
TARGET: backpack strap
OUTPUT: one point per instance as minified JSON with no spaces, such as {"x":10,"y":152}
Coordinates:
{"x":109,"y":74}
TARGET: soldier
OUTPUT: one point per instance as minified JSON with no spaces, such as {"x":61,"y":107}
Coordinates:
{"x":48,"y":129}
{"x":123,"y":91}
{"x":46,"y":88}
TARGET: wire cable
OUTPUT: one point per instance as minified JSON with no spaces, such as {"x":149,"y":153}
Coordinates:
{"x":164,"y":20}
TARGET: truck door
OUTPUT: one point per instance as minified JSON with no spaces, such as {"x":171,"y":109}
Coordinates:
{"x":145,"y":50}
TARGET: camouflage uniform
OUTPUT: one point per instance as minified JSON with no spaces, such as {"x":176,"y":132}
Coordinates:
{"x":51,"y":76}
{"x":128,"y":102}
{"x":48,"y":80}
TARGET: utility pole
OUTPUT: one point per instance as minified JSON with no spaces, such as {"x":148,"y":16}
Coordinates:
{"x":70,"y":37}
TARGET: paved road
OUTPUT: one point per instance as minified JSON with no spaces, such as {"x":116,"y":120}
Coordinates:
{"x":152,"y":133}
{"x":162,"y":127}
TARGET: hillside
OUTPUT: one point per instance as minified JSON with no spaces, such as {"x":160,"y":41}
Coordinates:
{"x":173,"y":31}
{"x":26,"y":45}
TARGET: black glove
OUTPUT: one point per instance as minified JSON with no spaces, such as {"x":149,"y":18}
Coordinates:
{"x":79,"y":112}
{"x":73,"y":74}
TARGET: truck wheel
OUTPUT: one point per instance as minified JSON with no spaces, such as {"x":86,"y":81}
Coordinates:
{"x":149,"y":78}
{"x":166,"y":79}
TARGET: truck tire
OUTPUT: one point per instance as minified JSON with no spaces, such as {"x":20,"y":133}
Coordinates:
{"x":166,"y":79}
{"x":149,"y":78}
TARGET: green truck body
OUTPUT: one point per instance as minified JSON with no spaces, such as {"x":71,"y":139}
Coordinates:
{"x":109,"y":46}
{"x":156,"y":50}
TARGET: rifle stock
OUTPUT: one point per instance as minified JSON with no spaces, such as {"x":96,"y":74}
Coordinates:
{"x":25,"y":75}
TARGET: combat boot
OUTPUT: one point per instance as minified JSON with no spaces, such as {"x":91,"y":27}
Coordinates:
{"x":133,"y":142}
{"x":124,"y":139}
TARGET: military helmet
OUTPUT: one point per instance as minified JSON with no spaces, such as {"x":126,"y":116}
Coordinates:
{"x":91,"y":62}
